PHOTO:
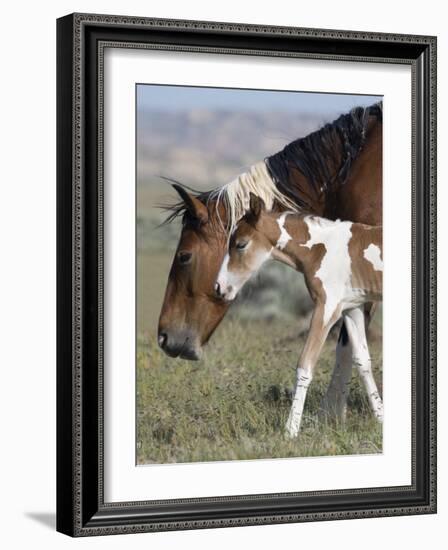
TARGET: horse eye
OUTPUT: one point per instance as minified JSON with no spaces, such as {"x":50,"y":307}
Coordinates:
{"x":184,"y":257}
{"x":241,"y":245}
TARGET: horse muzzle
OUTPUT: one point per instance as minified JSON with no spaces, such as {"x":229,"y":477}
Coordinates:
{"x":224,"y":292}
{"x":179,"y":343}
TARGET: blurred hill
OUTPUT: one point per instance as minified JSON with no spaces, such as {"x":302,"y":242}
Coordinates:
{"x":206,"y":149}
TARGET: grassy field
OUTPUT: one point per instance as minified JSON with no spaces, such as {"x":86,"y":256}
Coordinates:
{"x":234,"y":403}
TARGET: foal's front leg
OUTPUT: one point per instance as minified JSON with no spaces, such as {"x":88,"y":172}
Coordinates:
{"x":317,"y":335}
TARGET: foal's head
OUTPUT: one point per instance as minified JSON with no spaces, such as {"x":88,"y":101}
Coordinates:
{"x":249,"y":247}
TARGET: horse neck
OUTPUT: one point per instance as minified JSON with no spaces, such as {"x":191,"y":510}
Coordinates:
{"x":312,"y":180}
{"x":287,"y":245}
{"x":360,"y":198}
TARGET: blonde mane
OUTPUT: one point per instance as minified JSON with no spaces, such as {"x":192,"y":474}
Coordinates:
{"x":235,"y":194}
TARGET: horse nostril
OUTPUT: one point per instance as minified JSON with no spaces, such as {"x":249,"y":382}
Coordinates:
{"x":162,"y":339}
{"x":218,"y":289}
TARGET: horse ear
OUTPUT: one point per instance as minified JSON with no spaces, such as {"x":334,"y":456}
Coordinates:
{"x":256,"y":207}
{"x":195,"y":207}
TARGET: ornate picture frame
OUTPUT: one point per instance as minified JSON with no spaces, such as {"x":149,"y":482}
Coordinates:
{"x":81,"y":506}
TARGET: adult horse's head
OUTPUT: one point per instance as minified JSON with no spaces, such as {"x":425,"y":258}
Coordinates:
{"x":191,"y":310}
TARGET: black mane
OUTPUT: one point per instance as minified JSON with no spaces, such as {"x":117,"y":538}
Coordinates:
{"x":325,"y":156}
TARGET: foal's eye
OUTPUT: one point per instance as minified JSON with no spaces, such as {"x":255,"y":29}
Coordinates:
{"x":241,"y":245}
{"x":184,"y":257}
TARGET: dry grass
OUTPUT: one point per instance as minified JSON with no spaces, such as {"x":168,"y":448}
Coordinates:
{"x":234,"y":403}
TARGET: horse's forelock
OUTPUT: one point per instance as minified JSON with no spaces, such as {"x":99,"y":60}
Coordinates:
{"x":234,"y":197}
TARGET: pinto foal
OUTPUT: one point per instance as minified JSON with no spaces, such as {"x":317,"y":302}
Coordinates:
{"x":342,"y":266}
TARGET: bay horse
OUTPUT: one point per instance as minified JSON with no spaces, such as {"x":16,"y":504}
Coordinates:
{"x":342,"y":265}
{"x":335,"y":172}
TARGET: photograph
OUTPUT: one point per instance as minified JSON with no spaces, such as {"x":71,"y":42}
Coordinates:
{"x":246,"y":274}
{"x":259,"y":267}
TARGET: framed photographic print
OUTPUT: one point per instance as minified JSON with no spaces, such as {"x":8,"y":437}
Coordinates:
{"x":246,"y":274}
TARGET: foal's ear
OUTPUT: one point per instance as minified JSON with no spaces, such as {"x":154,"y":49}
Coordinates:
{"x":256,"y":207}
{"x":195,"y":207}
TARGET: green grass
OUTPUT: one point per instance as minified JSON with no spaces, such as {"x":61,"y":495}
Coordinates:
{"x":233,"y":404}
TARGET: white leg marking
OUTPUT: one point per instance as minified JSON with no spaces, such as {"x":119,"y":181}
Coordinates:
{"x":335,"y":268}
{"x":354,"y":321}
{"x":373,"y":254}
{"x":285,"y":237}
{"x":304,"y":377}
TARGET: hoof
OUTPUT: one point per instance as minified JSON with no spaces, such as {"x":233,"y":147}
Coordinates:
{"x":291,"y":432}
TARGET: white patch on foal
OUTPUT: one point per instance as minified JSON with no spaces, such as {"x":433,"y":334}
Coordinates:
{"x":373,"y":254}
{"x":232,"y":281}
{"x":285,"y":237}
{"x":228,"y":281}
{"x":335,"y":268}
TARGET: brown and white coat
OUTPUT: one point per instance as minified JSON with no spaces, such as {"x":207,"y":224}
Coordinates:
{"x":342,"y":265}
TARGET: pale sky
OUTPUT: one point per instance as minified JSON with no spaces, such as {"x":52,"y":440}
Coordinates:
{"x":176,"y":98}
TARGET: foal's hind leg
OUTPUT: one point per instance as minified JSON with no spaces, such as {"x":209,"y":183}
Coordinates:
{"x":334,"y":404}
{"x":354,"y":321}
